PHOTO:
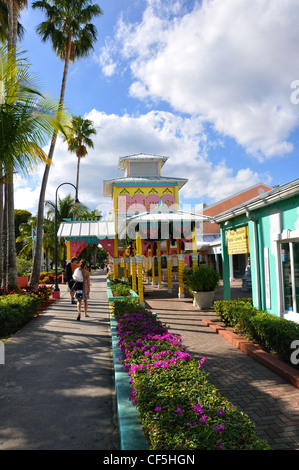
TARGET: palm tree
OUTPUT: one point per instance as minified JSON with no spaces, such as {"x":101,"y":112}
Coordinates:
{"x":10,"y":10}
{"x":4,"y":24}
{"x":27,"y":118}
{"x":67,"y":208}
{"x":78,"y":138}
{"x":69,"y":28}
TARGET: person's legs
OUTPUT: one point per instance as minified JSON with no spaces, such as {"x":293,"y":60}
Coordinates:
{"x":79,"y":309}
{"x":85,"y":307}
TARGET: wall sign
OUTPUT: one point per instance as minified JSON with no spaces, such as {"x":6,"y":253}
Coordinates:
{"x":237,"y":241}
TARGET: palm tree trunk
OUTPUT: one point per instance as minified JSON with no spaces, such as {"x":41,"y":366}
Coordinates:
{"x":77,"y":181}
{"x":1,"y":225}
{"x":36,"y":267}
{"x":12,"y":276}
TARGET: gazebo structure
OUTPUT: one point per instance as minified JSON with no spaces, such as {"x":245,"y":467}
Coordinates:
{"x":147,"y":224}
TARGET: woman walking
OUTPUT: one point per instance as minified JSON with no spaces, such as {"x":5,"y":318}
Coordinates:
{"x":82,"y":273}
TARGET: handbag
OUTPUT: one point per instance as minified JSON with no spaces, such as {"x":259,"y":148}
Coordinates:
{"x":77,"y":286}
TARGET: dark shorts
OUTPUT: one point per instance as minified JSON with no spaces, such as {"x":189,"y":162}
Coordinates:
{"x":71,"y":283}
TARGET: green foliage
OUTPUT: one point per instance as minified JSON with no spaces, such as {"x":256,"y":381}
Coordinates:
{"x":15,"y":311}
{"x":273,"y":334}
{"x":201,"y":279}
{"x":23,"y":266}
{"x":121,"y":289}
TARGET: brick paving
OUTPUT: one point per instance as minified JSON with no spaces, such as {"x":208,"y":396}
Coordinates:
{"x":271,"y":402}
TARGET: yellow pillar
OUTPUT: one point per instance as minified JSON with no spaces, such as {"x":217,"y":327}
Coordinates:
{"x":159,"y":265}
{"x":194,"y":250}
{"x":139,"y":268}
{"x":147,"y":263}
{"x":115,"y":259}
{"x":169,"y":274}
{"x":181,"y":267}
{"x":153,"y":265}
{"x":133,"y":272}
{"x":68,"y":250}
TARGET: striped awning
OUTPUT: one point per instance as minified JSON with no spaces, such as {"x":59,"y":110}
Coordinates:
{"x":87,"y":230}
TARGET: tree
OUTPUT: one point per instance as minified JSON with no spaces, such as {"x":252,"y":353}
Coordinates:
{"x":10,"y":10}
{"x":67,"y":208}
{"x":69,"y":28}
{"x":78,"y":138}
{"x":4,"y":24}
{"x":27,"y":119}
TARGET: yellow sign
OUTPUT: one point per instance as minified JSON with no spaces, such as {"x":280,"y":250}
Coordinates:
{"x":237,"y":241}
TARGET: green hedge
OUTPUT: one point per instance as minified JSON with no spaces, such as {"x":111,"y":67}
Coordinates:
{"x":179,"y":408}
{"x":273,"y":334}
{"x":15,"y":311}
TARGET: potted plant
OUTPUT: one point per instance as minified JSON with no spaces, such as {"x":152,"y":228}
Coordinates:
{"x":202,"y":282}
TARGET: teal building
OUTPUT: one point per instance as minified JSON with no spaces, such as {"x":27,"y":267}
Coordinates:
{"x":267,"y":228}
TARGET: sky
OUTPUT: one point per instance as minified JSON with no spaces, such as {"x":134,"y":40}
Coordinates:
{"x":212,"y":84}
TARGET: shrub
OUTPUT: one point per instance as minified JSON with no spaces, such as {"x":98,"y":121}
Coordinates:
{"x":201,"y":279}
{"x":274,"y":334}
{"x":121,"y":289}
{"x":178,"y":406}
{"x":15,"y":311}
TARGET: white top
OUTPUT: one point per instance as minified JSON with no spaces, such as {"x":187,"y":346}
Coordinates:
{"x":78,"y":275}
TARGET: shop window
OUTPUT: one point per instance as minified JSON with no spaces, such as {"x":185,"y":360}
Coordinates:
{"x":290,"y":275}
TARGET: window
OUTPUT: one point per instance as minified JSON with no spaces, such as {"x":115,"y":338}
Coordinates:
{"x":290,"y":275}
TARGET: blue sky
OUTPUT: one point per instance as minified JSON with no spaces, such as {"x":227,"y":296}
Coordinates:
{"x":206,"y":83}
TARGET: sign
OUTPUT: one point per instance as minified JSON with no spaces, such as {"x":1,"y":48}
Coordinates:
{"x":237,"y":241}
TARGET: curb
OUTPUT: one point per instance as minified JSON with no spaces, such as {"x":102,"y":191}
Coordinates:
{"x":275,"y":365}
{"x":130,"y":429}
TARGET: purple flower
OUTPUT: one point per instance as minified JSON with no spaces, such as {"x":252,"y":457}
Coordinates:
{"x":158,"y":408}
{"x":178,"y":410}
{"x":220,"y":411}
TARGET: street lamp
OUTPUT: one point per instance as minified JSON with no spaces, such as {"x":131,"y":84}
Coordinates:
{"x":56,"y":292}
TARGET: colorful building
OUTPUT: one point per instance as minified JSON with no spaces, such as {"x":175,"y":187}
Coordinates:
{"x":267,"y":228}
{"x":147,"y":224}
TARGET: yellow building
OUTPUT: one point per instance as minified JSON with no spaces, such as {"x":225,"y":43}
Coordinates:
{"x":147,"y":223}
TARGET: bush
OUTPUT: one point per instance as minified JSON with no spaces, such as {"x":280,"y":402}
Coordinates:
{"x":201,"y":279}
{"x":178,"y":407}
{"x":274,"y":334}
{"x":15,"y":311}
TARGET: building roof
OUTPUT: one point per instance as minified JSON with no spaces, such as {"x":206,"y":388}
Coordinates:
{"x":108,"y":184}
{"x":276,"y":194}
{"x":140,"y":157}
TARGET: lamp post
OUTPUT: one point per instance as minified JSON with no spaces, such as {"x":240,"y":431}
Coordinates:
{"x":56,"y":292}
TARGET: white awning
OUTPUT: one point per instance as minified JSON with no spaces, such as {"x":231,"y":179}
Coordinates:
{"x":156,"y":217}
{"x":102,"y":230}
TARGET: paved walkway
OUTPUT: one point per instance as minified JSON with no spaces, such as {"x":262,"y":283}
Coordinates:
{"x":56,"y":386}
{"x":269,"y":401}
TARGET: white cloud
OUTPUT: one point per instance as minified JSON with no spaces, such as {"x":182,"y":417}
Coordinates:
{"x":183,"y":140}
{"x":230,"y":61}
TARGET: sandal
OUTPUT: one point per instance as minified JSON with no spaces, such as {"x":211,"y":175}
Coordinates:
{"x":78,"y":317}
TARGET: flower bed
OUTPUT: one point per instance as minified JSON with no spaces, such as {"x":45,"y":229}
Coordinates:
{"x":178,"y":407}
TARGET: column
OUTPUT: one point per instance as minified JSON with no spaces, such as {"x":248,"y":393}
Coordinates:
{"x":115,"y":267}
{"x":169,"y":274}
{"x":140,"y":282}
{"x":181,"y":267}
{"x":194,"y":250}
{"x":159,"y":265}
{"x":147,"y":263}
{"x":139,"y":259}
{"x":133,"y":272}
{"x":153,"y":265}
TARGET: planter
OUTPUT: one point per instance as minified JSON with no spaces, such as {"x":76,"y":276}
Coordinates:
{"x":204,"y":300}
{"x":22,"y":281}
